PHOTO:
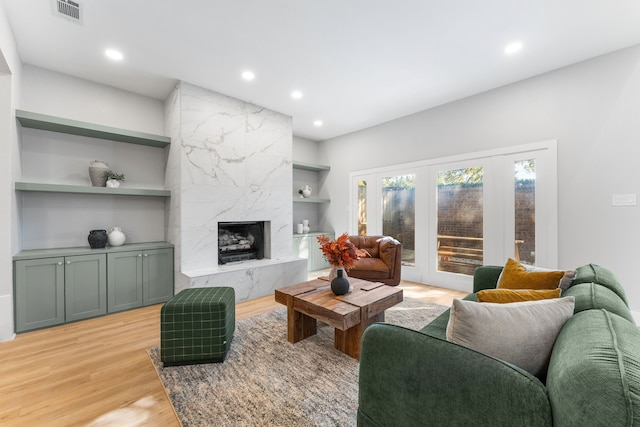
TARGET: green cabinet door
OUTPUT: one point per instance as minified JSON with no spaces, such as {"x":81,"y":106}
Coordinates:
{"x":85,"y":286}
{"x":307,"y":246}
{"x":124,"y":280}
{"x":39,"y":293}
{"x":157,"y":276}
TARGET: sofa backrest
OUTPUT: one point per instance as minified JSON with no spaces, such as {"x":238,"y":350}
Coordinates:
{"x":592,"y":273}
{"x":486,"y":277}
{"x":591,"y":296}
{"x":594,"y":375}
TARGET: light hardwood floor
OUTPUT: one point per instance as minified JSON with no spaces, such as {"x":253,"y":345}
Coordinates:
{"x":97,"y":373}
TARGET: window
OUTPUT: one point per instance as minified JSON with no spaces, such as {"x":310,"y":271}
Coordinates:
{"x":398,"y":213}
{"x":525,"y":211}
{"x":460,"y":211}
{"x":453,"y":214}
{"x":362,"y":208}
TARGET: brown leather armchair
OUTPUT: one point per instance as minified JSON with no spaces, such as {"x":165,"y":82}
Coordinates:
{"x":384,"y":263}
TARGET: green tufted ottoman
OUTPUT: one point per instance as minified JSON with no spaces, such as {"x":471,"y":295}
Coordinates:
{"x":197,"y":326}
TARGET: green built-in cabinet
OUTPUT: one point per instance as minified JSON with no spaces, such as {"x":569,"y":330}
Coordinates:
{"x":39,"y":293}
{"x":54,"y":286}
{"x":85,"y":286}
{"x":139,"y":278}
{"x":307,"y":246}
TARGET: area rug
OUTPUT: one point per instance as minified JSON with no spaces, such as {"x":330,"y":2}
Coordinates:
{"x":267,"y":381}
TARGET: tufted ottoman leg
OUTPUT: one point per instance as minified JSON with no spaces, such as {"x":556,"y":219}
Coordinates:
{"x":197,"y":326}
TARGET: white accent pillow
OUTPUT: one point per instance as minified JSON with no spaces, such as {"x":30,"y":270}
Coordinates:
{"x":520,"y":333}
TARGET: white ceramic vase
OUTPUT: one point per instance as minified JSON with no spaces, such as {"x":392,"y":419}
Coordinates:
{"x":116,"y":237}
{"x":113,"y":183}
{"x":306,"y":191}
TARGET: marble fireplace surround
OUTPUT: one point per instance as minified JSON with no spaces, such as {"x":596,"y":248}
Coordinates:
{"x":229,"y":161}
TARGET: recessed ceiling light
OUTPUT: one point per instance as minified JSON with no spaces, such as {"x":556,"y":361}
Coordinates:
{"x":248,"y":75}
{"x":113,"y":54}
{"x":296,"y":94}
{"x":317,"y":123}
{"x":513,"y":48}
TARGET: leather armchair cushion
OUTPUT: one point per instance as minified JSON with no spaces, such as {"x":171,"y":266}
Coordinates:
{"x":371,"y":264}
{"x":368,"y":243}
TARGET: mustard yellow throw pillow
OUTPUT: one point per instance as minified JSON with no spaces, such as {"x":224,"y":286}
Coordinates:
{"x":515,"y":276}
{"x":503,"y":296}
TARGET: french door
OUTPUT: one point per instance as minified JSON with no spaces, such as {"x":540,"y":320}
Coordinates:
{"x":455,"y":214}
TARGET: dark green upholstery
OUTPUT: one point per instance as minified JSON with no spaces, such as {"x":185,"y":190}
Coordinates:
{"x":594,"y":373}
{"x":417,"y":378}
{"x":197,"y":326}
{"x":486,"y":277}
{"x":438,"y":326}
{"x":412,"y":379}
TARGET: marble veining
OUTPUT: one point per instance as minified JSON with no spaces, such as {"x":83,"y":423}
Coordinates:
{"x":231,"y":161}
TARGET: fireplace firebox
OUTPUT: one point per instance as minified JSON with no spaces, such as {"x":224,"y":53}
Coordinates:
{"x":240,"y":241}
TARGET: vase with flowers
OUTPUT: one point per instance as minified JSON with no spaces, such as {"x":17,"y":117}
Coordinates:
{"x":342,"y":254}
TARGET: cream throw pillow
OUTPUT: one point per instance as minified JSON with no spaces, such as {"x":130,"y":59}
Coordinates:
{"x":520,"y":333}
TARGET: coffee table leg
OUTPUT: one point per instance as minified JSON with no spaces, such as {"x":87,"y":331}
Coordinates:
{"x":299,"y":325}
{"x":349,"y":341}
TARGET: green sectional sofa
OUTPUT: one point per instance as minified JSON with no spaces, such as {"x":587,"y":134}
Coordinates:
{"x":417,"y":378}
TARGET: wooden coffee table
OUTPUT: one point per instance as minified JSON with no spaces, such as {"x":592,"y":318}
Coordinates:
{"x":349,"y":314}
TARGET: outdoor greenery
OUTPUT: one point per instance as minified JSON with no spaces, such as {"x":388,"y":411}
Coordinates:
{"x":403,"y":182}
{"x":461,"y":176}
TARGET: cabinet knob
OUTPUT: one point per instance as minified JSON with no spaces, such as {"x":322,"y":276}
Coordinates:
{"x":146,"y":255}
{"x":139,"y":255}
{"x":68,"y":262}
{"x":59,"y":262}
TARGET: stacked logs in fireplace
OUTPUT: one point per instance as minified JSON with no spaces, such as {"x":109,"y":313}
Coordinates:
{"x":240,"y":241}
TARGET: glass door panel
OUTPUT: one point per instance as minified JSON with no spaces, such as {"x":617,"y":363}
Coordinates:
{"x":398,"y":213}
{"x":525,"y":211}
{"x":460,"y":224}
{"x":362,"y":208}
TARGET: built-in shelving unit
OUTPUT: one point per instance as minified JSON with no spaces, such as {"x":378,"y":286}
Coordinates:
{"x":80,"y":189}
{"x":311,"y":200}
{"x":39,"y":190}
{"x":74,"y":127}
{"x":55,"y":283}
{"x":310,"y":167}
{"x":306,"y":245}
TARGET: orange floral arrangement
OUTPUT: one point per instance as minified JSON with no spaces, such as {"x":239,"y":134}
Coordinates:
{"x":341,"y":252}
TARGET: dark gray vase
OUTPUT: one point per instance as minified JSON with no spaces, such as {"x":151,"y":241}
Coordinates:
{"x":98,"y":239}
{"x":340,"y":285}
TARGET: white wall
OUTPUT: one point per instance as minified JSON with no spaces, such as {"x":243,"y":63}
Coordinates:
{"x":48,"y":92}
{"x":10,"y":71}
{"x":305,"y":150}
{"x":591,"y":108}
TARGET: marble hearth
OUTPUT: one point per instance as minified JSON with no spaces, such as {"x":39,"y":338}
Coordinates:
{"x":229,"y":161}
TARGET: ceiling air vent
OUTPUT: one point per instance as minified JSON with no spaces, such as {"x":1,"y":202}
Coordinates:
{"x":67,"y":9}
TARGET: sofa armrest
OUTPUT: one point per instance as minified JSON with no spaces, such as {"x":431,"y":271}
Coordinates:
{"x":390,"y":249}
{"x":486,"y":277}
{"x":390,"y":253}
{"x":412,"y":379}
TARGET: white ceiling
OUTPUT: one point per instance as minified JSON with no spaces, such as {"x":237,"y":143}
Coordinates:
{"x":358,"y":62}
